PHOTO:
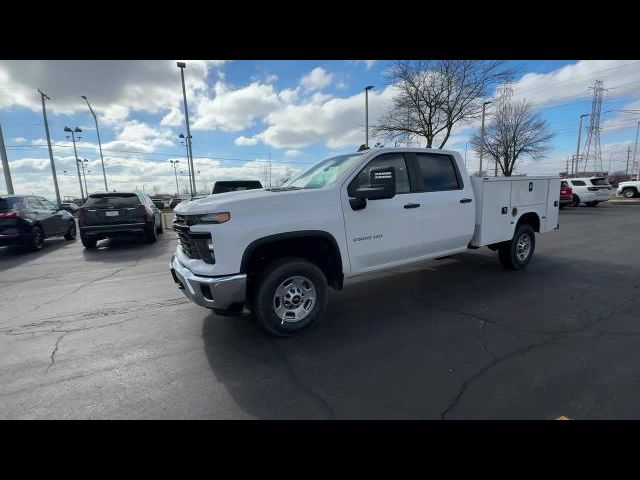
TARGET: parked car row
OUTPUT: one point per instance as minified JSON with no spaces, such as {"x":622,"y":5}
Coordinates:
{"x":589,"y":191}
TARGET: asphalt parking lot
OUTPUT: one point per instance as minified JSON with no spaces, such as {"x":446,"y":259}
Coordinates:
{"x":105,"y":334}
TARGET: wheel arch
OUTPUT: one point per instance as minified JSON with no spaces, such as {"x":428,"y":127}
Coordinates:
{"x":318,"y":246}
{"x":530,"y":218}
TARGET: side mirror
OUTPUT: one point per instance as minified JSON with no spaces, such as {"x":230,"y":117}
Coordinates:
{"x":382,"y":184}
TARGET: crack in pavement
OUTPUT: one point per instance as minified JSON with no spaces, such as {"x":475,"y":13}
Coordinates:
{"x":465,"y":385}
{"x":52,"y":357}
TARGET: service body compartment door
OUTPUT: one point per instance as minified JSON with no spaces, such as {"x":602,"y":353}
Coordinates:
{"x":495,"y":212}
{"x":553,"y":206}
{"x":528,"y":192}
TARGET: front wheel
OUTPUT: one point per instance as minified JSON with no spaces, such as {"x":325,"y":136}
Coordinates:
{"x":71,"y":231}
{"x":290,"y":296}
{"x":629,"y":193}
{"x":516,"y":254}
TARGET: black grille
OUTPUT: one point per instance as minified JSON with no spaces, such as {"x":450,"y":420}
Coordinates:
{"x":193,"y":245}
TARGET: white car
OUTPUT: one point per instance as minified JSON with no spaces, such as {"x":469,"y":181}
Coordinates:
{"x":276,"y":251}
{"x":590,"y":190}
{"x":629,"y":189}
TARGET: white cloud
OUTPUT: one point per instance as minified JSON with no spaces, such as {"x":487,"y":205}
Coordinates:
{"x":245,"y":141}
{"x":233,"y":110}
{"x":20,"y":140}
{"x":292,"y":153}
{"x":316,"y":79}
{"x":174,"y":118}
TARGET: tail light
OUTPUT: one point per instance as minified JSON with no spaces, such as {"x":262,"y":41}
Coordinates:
{"x":142,"y":211}
{"x":82,"y":213}
{"x":13,"y":214}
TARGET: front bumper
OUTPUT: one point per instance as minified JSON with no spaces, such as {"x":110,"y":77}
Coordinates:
{"x":223,"y":293}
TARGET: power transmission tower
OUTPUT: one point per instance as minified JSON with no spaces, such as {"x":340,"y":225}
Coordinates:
{"x":593,"y":152}
{"x":626,"y":171}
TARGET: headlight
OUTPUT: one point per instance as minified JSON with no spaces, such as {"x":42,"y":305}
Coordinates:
{"x":215,"y":217}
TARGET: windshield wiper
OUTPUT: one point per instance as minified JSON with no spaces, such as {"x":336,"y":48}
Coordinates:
{"x":284,"y":189}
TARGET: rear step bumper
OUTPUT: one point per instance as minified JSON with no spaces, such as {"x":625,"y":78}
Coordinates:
{"x":221,"y":293}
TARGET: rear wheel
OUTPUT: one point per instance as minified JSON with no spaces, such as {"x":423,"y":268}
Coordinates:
{"x":516,"y":254}
{"x":37,"y":239}
{"x":150,"y":234}
{"x":160,"y":228}
{"x":562,"y":205}
{"x":576,"y":200}
{"x":88,"y":242}
{"x":628,"y":193}
{"x":71,"y":231}
{"x":290,"y":296}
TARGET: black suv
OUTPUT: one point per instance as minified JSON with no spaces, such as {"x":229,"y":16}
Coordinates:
{"x":27,"y":220}
{"x":108,"y":215}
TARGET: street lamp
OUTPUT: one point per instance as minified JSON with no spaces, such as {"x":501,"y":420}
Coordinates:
{"x":182,"y":66}
{"x":484,"y":107}
{"x":95,"y":119}
{"x":84,"y":175}
{"x":73,"y":138}
{"x":366,"y":114}
{"x":185,"y":141}
{"x":174,"y":164}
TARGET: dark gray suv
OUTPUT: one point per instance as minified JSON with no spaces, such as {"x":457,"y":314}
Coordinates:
{"x":111,"y":214}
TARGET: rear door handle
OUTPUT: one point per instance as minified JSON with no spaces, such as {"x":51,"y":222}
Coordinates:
{"x":412,"y":205}
{"x":465,"y":200}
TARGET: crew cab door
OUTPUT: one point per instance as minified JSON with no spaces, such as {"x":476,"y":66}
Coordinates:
{"x":447,"y":209}
{"x":385,"y":230}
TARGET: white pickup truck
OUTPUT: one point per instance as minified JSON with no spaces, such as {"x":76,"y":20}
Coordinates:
{"x":276,"y":251}
{"x":629,"y":189}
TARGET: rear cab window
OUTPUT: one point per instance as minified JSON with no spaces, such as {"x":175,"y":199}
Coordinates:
{"x":599,"y":182}
{"x":578,"y":183}
{"x":112,"y":200}
{"x":437,"y":172}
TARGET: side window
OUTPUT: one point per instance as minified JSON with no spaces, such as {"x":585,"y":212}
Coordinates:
{"x":34,"y":204}
{"x":387,"y":160}
{"x":47,"y":204}
{"x":437,"y":173}
{"x":578,"y":183}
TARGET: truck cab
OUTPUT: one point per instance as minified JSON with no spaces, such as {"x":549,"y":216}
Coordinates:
{"x":277,"y":251}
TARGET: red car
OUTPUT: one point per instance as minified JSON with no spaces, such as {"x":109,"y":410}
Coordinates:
{"x":566,"y":194}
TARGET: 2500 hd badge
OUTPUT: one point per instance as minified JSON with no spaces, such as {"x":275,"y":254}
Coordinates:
{"x":362,"y":239}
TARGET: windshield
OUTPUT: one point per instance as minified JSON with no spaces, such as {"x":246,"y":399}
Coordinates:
{"x":324,"y":173}
{"x":112,"y":200}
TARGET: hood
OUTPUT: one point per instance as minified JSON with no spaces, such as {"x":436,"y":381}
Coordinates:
{"x":229,"y":201}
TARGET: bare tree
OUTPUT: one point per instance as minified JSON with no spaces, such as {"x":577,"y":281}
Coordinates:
{"x":433,"y":96}
{"x":514,"y":130}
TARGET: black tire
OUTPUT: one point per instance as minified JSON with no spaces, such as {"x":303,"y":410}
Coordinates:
{"x":562,"y":205}
{"x":160,"y":228}
{"x":508,"y":253}
{"x":629,"y":193}
{"x":272,"y":279}
{"x":151,"y":234}
{"x":37,"y":239}
{"x":592,"y":204}
{"x":88,"y":242}
{"x":71,"y":231}
{"x":576,"y":200}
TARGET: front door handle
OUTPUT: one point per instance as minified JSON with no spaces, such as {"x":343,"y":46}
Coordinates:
{"x":465,"y":200}
{"x":412,"y":205}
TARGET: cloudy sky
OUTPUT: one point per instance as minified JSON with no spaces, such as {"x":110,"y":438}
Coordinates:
{"x":243,"y":112}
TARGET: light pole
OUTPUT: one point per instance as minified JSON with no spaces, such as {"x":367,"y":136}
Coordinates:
{"x":95,"y":119}
{"x":185,"y":142}
{"x":73,"y":138}
{"x":46,"y":128}
{"x":484,"y":108}
{"x":84,"y":175}
{"x":174,"y":164}
{"x":5,"y":165}
{"x":182,"y":66}
{"x":366,"y":114}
